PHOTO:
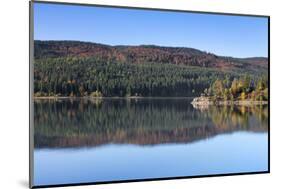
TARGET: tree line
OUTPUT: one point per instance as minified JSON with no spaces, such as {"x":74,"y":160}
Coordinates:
{"x":78,"y":77}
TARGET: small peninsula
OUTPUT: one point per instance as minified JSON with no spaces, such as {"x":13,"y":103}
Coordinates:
{"x":243,"y":91}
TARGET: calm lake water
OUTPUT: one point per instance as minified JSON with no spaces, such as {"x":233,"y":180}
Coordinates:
{"x":85,"y":140}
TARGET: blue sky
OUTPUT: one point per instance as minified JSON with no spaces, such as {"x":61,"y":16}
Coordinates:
{"x":236,"y":36}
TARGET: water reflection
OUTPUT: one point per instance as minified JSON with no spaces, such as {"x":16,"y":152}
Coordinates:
{"x":94,"y":122}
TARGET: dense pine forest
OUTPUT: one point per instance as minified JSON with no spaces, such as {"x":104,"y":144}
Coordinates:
{"x":76,"y":69}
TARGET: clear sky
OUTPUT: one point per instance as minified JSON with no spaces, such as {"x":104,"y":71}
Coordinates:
{"x":236,"y":36}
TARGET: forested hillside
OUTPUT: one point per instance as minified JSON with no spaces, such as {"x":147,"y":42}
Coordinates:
{"x":71,"y":68}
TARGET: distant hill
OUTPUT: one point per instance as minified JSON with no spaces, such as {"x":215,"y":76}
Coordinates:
{"x":73,"y":68}
{"x":145,"y":54}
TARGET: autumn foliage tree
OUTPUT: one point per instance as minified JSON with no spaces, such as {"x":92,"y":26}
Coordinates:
{"x":243,"y":88}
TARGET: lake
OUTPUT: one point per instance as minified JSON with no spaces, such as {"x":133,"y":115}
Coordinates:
{"x":96,"y":140}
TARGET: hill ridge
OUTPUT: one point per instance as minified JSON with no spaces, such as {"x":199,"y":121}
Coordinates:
{"x":143,"y":54}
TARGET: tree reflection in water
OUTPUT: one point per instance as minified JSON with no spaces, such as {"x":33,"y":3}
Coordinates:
{"x":93,"y":122}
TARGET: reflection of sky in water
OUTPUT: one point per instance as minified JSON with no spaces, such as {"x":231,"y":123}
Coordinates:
{"x":228,"y":153}
{"x":90,"y":141}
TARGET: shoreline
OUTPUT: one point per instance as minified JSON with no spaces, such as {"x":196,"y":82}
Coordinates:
{"x":206,"y":101}
{"x":196,"y":101}
{"x":89,"y":97}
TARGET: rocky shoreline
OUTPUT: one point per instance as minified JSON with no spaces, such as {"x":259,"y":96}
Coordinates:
{"x":207,"y":101}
